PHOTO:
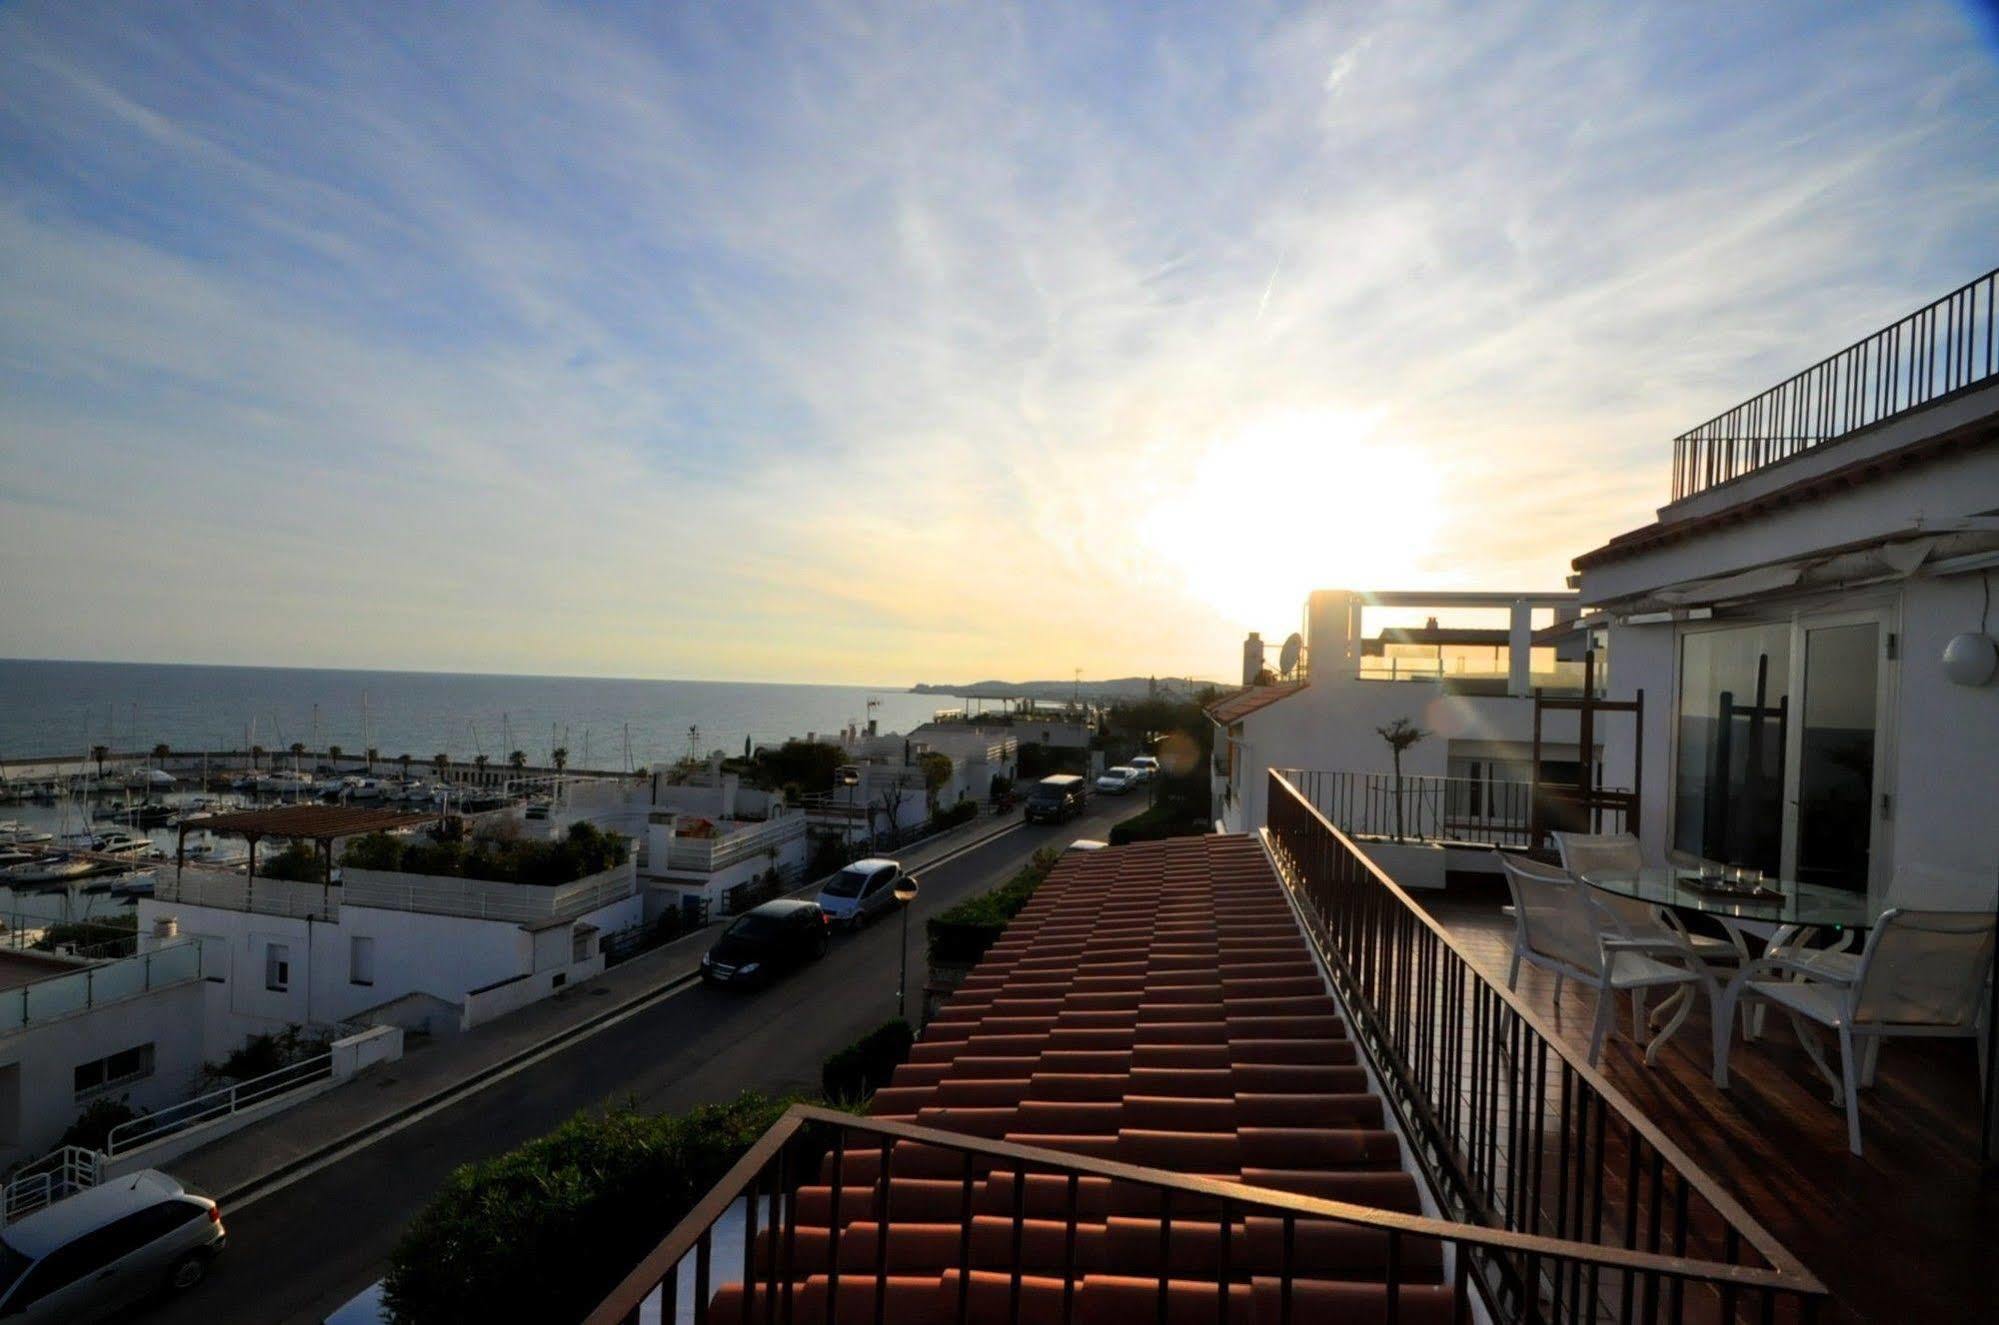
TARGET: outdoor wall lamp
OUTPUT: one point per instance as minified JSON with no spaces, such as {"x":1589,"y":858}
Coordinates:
{"x":1970,"y":659}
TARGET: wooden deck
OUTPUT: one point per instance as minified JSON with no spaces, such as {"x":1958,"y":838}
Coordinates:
{"x":1909,"y":1232}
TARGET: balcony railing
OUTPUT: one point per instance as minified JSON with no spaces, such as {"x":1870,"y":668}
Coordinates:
{"x":1935,"y":351}
{"x":1513,"y":1128}
{"x":92,"y":986}
{"x":1446,"y":810}
{"x":782,"y":1285}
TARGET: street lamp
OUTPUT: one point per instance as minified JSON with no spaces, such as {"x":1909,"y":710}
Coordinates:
{"x":905,"y":893}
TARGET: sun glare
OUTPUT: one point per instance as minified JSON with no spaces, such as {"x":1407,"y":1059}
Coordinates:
{"x":1317,"y":499}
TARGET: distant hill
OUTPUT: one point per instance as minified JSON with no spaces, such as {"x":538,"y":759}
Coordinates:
{"x":1124,"y":687}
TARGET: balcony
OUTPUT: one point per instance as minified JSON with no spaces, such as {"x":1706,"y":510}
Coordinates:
{"x":63,"y":995}
{"x":1454,"y":811}
{"x":1144,"y":1104}
{"x":1933,"y":353}
{"x":395,"y":890}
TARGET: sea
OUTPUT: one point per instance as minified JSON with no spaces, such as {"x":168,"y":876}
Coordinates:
{"x":62,"y":709}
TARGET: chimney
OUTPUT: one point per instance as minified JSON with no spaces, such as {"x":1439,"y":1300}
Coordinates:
{"x":1252,"y":657}
{"x":165,"y":929}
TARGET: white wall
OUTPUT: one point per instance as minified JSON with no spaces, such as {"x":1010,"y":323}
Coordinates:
{"x":43,"y":1058}
{"x":415,"y":952}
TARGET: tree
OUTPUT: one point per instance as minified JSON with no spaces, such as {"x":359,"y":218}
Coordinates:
{"x":936,"y":772}
{"x":333,"y":755}
{"x":160,"y":753}
{"x":298,"y":752}
{"x":559,"y":757}
{"x":404,"y":760}
{"x":373,"y":755}
{"x":256,"y":756}
{"x":479,"y":762}
{"x":440,"y":761}
{"x":518,"y":760}
{"x":99,"y":752}
{"x":1400,"y":735}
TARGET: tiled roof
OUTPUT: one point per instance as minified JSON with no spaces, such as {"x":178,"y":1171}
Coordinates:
{"x":1154,"y":1005}
{"x":1251,"y":698}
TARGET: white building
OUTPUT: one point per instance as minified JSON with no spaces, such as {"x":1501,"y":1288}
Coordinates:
{"x":1794,"y":612}
{"x":1467,"y":685}
{"x":72,"y":1032}
{"x":424,"y":952}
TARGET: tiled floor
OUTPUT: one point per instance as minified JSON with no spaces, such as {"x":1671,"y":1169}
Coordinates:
{"x":1907,"y":1232}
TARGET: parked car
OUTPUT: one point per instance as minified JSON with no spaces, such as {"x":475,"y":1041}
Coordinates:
{"x":860,"y":892}
{"x":90,"y":1256}
{"x":1117,"y":781}
{"x":761,"y":943}
{"x":1054,"y":799}
{"x":1146,"y":767}
{"x":1086,"y":844}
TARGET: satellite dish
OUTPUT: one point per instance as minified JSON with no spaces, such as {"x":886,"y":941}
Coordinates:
{"x":1287,"y":657}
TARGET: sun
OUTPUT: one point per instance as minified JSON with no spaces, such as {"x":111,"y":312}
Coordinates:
{"x":1296,"y":501}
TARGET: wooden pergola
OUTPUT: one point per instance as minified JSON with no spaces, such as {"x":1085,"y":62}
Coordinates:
{"x":321,"y":825}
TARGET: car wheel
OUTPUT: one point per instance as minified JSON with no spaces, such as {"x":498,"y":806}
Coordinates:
{"x":819,"y":948}
{"x":187,"y":1272}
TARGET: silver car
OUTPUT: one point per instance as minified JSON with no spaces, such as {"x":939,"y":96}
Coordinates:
{"x":860,"y":892}
{"x":91,"y":1255}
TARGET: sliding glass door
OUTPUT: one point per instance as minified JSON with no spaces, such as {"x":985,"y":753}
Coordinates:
{"x":1779,"y":734}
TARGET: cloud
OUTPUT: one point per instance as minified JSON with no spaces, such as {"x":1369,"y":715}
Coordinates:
{"x":881,"y":343}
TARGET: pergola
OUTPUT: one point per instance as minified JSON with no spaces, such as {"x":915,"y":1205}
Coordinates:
{"x":319,"y":824}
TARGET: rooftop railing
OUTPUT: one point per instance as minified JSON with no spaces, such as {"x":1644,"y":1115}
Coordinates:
{"x":92,"y":986}
{"x":1935,"y":351}
{"x":1513,"y":1127}
{"x":1453,"y":811}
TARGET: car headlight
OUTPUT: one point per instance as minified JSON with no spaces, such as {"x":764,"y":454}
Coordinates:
{"x":748,"y":968}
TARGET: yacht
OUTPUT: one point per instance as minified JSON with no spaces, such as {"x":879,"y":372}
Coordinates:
{"x":118,"y":842}
{"x":47,"y":869}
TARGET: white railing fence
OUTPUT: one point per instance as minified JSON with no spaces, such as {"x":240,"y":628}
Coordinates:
{"x":55,"y":1175}
{"x":216,"y":1104}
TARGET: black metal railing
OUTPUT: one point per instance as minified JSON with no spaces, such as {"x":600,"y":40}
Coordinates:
{"x":1464,"y":811}
{"x":1942,"y":348}
{"x":1512,"y":1126}
{"x":777,"y":1283}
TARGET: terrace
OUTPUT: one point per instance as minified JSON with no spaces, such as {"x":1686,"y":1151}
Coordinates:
{"x":1191,"y":1084}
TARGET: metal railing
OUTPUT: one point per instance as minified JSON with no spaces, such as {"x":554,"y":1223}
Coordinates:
{"x":1512,"y":1126}
{"x":1939,"y":349}
{"x":55,"y":1175}
{"x":1466,"y":811}
{"x":780,"y":1286}
{"x":709,"y":854}
{"x":217,"y":1104}
{"x":194,"y":886}
{"x":92,"y":986}
{"x":485,"y":899}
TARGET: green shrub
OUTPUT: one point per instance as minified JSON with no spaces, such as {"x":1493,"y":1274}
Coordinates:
{"x":963,"y":932}
{"x":962,"y":813}
{"x":1162,"y":820}
{"x":866,"y":1065}
{"x":545,"y":1231}
{"x":583,"y":851}
{"x":112,"y":936}
{"x":299,"y":861}
{"x":92,"y":1128}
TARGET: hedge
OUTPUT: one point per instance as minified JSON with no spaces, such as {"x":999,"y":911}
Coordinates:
{"x":962,"y":933}
{"x":1162,"y":820}
{"x":545,"y":1231}
{"x":962,"y":813}
{"x":865,"y":1066}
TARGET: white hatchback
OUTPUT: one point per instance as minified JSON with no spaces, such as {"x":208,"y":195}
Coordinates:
{"x":89,"y":1256}
{"x":860,"y":892}
{"x":1117,"y":781}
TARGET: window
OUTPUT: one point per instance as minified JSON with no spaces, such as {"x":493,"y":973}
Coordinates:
{"x":361,"y":960}
{"x":277,"y":967}
{"x":579,"y":943}
{"x":100,"y":1074}
{"x":1729,"y":773}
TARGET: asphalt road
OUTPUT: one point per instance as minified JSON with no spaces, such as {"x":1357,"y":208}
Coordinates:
{"x":300,"y":1253}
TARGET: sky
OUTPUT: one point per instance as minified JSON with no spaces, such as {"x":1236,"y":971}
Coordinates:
{"x":912,"y":342}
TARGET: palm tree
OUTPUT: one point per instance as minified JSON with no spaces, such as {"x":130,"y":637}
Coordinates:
{"x":1400,"y":735}
{"x":160,"y":753}
{"x":373,"y":755}
{"x":440,"y":761}
{"x":99,"y":752}
{"x":479,"y":762}
{"x":298,"y":753}
{"x":333,"y":755}
{"x":404,"y":760}
{"x":559,"y":757}
{"x":256,"y":756}
{"x":517,"y":760}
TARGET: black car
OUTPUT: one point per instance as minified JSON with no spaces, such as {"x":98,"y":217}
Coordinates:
{"x":1054,"y":799}
{"x":758,"y":944}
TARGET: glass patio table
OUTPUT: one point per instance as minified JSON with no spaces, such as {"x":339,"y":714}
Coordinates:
{"x":1799,"y":905}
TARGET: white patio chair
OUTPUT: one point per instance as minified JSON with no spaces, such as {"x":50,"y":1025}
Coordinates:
{"x":1588,"y":853}
{"x":1561,"y":927}
{"x":1921,"y":973}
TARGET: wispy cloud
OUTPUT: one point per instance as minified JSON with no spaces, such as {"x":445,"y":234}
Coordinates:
{"x":879,"y":343}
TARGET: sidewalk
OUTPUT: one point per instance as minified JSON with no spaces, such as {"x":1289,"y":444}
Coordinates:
{"x":384,"y":1094}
